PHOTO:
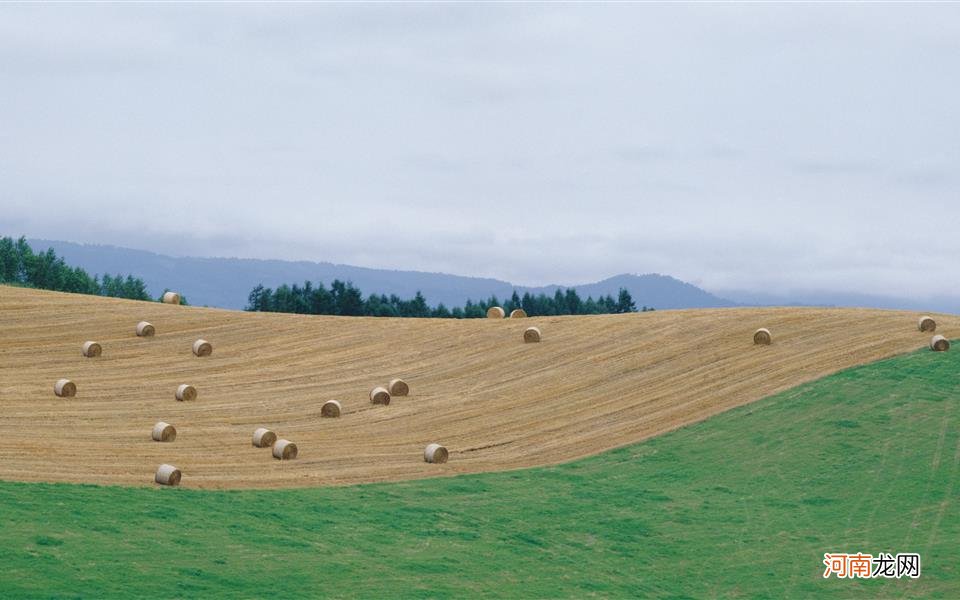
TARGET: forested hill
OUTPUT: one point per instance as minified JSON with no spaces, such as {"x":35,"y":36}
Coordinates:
{"x":21,"y":265}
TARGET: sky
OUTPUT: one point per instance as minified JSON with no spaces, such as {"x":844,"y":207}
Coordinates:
{"x":776,"y":147}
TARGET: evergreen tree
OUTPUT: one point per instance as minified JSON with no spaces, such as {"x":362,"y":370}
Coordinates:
{"x":572,"y":302}
{"x":9,"y":261}
{"x":513,"y":303}
{"x":419,"y":306}
{"x":625,"y":302}
{"x":559,"y":304}
{"x":20,"y":265}
{"x":321,"y":301}
{"x":590,"y":306}
{"x":255,"y":299}
{"x":526,"y":303}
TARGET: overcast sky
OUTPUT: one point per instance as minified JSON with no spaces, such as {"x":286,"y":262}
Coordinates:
{"x":787,"y":147}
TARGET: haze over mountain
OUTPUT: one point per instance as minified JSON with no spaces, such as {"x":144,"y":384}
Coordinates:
{"x":226,"y":282}
{"x":938,"y":303}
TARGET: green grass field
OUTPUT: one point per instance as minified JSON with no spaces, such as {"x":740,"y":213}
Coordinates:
{"x":742,"y":505}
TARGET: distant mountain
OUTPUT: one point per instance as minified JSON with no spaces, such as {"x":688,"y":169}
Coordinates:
{"x":225,"y":282}
{"x":947,"y":304}
{"x":657,"y":291}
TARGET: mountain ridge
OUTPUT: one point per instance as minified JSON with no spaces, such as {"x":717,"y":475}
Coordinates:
{"x":226,"y":282}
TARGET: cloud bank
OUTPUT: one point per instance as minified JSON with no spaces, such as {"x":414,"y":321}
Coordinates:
{"x":778,"y":147}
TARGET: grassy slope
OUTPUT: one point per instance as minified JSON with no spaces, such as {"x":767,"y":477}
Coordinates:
{"x":743,"y":504}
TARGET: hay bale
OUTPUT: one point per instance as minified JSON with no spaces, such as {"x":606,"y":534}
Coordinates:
{"x":91,"y":349}
{"x":762,"y":337}
{"x":398,"y":387}
{"x":531,"y":335}
{"x":495,"y":312}
{"x":65,"y":388}
{"x":518,"y":313}
{"x":264,"y":438}
{"x":171,"y":298}
{"x":284,"y":450}
{"x":202,"y":348}
{"x":331,"y":408}
{"x":164,"y":432}
{"x":167,"y":475}
{"x":186,"y":393}
{"x":926,"y":324}
{"x":379,"y":395}
{"x":435,"y":453}
{"x":939,"y":343}
{"x":145,"y":329}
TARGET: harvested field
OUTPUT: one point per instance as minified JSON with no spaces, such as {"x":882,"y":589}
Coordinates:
{"x":594,"y":383}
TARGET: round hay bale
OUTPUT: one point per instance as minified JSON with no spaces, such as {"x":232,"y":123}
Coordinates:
{"x":284,"y":450}
{"x":164,"y":432}
{"x":939,"y":343}
{"x":264,"y":438}
{"x":762,"y":337}
{"x":186,"y":393}
{"x":531,"y":335}
{"x":202,"y":348}
{"x":435,"y":453}
{"x":927,"y":324}
{"x":379,"y":395}
{"x":518,"y":313}
{"x":145,"y":329}
{"x":65,"y":388}
{"x":495,"y":312}
{"x":167,"y":475}
{"x":91,"y":349}
{"x":331,"y":408}
{"x":171,"y":298}
{"x":398,"y":387}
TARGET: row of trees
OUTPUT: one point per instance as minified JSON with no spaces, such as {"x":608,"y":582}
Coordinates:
{"x":20,"y":265}
{"x":346,"y":300}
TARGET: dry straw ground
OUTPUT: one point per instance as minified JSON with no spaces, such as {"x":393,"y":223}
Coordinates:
{"x":594,"y":383}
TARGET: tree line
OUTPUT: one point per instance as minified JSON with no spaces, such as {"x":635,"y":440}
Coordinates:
{"x":20,"y":265}
{"x":345,"y":299}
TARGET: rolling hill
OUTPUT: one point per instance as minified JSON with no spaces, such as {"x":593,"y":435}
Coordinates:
{"x":593,"y":384}
{"x":741,"y":505}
